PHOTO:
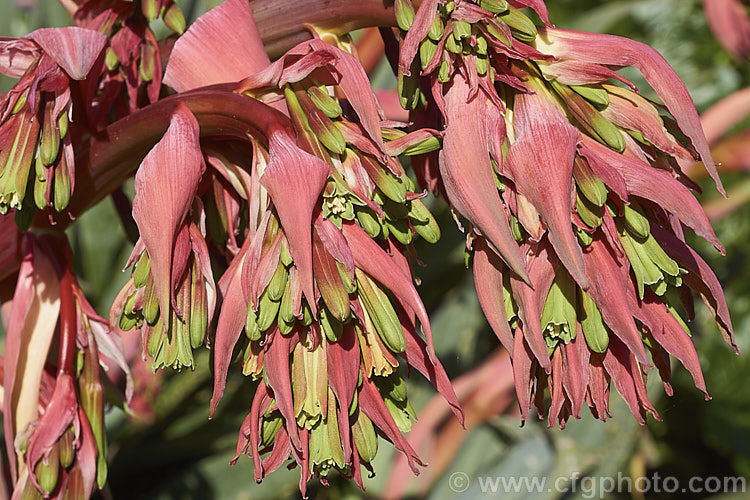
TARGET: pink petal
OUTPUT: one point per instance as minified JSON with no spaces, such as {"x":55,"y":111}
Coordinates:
{"x":531,"y":298}
{"x":281,"y":451}
{"x":617,"y":363}
{"x":420,"y":27}
{"x":276,"y":359}
{"x":74,"y":49}
{"x":700,"y":278}
{"x":652,"y":184}
{"x":343,"y":372}
{"x":668,"y":332}
{"x":335,"y":243}
{"x":200,"y":252}
{"x":538,"y":6}
{"x":16,"y":55}
{"x":467,"y":172}
{"x":373,"y":260}
{"x":371,"y":403}
{"x":631,"y":111}
{"x":165,"y":185}
{"x":488,"y":281}
{"x":397,"y":146}
{"x":294,"y":180}
{"x":87,"y":454}
{"x":352,"y":79}
{"x":221,"y":46}
{"x":598,"y":387}
{"x":343,"y":366}
{"x":556,"y":390}
{"x":730,"y":24}
{"x":416,"y":356}
{"x":523,"y":368}
{"x":232,"y":318}
{"x":574,"y":72}
{"x":609,"y":278}
{"x":609,"y":176}
{"x":58,"y":416}
{"x":541,"y":165}
{"x":615,"y":51}
{"x":575,"y":357}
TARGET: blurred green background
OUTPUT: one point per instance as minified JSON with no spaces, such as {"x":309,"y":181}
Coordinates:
{"x":182,"y":455}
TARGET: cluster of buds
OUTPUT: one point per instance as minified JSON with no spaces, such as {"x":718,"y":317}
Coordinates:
{"x":171,"y":295}
{"x":574,"y":193}
{"x":130,"y":75}
{"x":37,"y":166}
{"x":62,"y":452}
{"x":170,"y":333}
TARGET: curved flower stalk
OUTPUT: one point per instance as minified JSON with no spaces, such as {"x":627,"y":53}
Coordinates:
{"x":54,"y":415}
{"x":579,"y":258}
{"x":37,"y":165}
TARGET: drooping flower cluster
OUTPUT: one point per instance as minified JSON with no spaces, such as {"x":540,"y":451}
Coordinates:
{"x":570,"y":181}
{"x":316,"y":214}
{"x":37,"y":165}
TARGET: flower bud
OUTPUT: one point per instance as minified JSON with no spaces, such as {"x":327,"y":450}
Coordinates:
{"x":62,"y":185}
{"x":324,"y":102}
{"x":47,"y":470}
{"x":67,"y":448}
{"x":49,"y":138}
{"x":427,"y":50}
{"x":436,"y":29}
{"x":594,"y":330}
{"x":521,"y":26}
{"x":174,"y":19}
{"x":404,"y":14}
{"x":559,"y":314}
{"x":147,"y":63}
{"x":150,"y":9}
{"x":267,"y":311}
{"x":110,"y":59}
{"x":594,"y":94}
{"x":365,"y":438}
{"x":636,"y":222}
{"x":142,"y":271}
{"x":378,"y":307}
{"x":271,"y":424}
{"x":494,"y":6}
{"x":325,"y":443}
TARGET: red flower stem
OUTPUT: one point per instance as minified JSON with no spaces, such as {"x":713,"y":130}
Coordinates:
{"x":283,"y":23}
{"x":65,"y":363}
{"x":115,"y":154}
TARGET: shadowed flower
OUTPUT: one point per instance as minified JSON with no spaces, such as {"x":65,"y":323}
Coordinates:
{"x":54,"y":415}
{"x":578,"y":250}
